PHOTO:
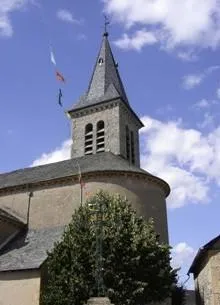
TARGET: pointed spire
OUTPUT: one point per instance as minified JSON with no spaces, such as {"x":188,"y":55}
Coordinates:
{"x":105,"y":83}
{"x":105,"y":75}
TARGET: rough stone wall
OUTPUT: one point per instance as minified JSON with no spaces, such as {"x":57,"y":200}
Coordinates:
{"x":20,"y":288}
{"x":54,"y":206}
{"x":128,"y":119}
{"x":207,"y":283}
{"x":203,"y":284}
{"x":215,"y":275}
{"x":110,"y":116}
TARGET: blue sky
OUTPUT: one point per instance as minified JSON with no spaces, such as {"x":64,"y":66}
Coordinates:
{"x":168,"y":55}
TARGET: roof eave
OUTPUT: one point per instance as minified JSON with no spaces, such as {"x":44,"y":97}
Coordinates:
{"x":201,"y":252}
{"x":166,"y":186}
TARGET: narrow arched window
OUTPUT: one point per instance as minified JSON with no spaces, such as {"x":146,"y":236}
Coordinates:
{"x":88,"y":145}
{"x":132,"y":148}
{"x":100,"y":61}
{"x":127,"y":141}
{"x":100,"y":137}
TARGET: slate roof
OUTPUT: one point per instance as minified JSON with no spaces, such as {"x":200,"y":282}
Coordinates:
{"x":105,"y":83}
{"x":105,"y":161}
{"x":29,"y":249}
{"x":201,"y":252}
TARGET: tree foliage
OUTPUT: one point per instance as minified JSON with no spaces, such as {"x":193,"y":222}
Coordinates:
{"x":136,"y":266}
{"x":178,"y":295}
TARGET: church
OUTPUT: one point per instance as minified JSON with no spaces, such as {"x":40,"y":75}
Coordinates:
{"x":36,"y":203}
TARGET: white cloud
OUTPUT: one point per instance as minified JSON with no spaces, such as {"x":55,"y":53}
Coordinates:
{"x":67,"y":16}
{"x":187,"y":159}
{"x":188,"y":55}
{"x":218,"y":93}
{"x":182,"y":257}
{"x":192,"y":80}
{"x":202,"y":104}
{"x":59,"y":154}
{"x":6,"y":8}
{"x":81,"y":37}
{"x":208,"y":121}
{"x":165,"y":110}
{"x":181,"y":23}
{"x":137,"y":41}
{"x":182,"y":254}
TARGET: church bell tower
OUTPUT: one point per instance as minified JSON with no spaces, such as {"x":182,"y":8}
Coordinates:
{"x":102,"y":119}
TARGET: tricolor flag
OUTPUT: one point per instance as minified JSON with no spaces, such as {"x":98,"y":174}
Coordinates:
{"x":60,"y":77}
{"x":60,"y":98}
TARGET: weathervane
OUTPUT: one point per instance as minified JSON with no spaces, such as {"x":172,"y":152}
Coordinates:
{"x":107,"y":22}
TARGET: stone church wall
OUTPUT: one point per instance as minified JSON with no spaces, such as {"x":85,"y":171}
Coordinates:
{"x":20,"y":288}
{"x":54,"y":205}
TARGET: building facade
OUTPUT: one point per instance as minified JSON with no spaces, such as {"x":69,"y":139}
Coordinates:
{"x":206,"y":271}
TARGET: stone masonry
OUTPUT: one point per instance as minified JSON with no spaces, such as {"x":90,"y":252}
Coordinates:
{"x":116,"y":117}
{"x":54,"y":205}
{"x":207,"y":276}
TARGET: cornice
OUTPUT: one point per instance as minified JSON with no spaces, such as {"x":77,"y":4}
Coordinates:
{"x":94,"y":108}
{"x":74,"y":179}
{"x":88,"y":109}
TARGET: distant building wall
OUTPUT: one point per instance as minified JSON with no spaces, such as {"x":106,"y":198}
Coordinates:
{"x":20,"y":288}
{"x":215,"y":273}
{"x":54,"y":205}
{"x":207,"y":279}
{"x":190,"y":297}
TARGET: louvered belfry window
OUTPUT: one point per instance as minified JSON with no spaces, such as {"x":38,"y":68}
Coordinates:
{"x":88,"y":139}
{"x":127,"y":143}
{"x":130,"y":145}
{"x":132,"y":148}
{"x":100,"y":137}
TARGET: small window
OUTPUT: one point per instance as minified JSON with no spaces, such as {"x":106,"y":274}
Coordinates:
{"x":100,"y":137}
{"x":100,"y":61}
{"x":88,"y":145}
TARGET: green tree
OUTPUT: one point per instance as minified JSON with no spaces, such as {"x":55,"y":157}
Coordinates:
{"x":178,"y":295}
{"x":136,"y":266}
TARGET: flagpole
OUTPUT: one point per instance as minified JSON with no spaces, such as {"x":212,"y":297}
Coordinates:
{"x":80,"y":183}
{"x":81,"y":194}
